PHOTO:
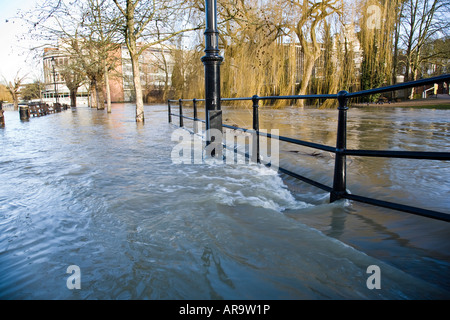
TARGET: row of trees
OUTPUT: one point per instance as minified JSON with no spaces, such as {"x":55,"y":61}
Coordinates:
{"x":270,"y":47}
{"x":15,"y":90}
{"x":90,"y":30}
{"x":306,"y":47}
{"x":10,"y":90}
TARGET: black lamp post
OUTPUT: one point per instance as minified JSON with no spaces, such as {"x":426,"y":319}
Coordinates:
{"x":54,"y":79}
{"x":212,"y":61}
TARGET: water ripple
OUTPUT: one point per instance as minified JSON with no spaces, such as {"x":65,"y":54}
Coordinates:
{"x":105,"y":195}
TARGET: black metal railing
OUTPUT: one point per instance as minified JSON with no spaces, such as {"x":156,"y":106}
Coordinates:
{"x":338,"y":190}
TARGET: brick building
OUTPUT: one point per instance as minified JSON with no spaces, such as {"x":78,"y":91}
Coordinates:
{"x":156,"y":65}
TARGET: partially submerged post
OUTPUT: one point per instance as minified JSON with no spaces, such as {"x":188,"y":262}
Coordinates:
{"x":2,"y":116}
{"x":24,"y":112}
{"x":212,"y":61}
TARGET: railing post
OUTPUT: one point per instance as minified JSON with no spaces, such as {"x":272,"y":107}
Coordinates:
{"x":194,"y":105}
{"x":255,"y":151}
{"x":212,"y":61}
{"x":340,"y":167}
{"x":170,"y":112}
{"x":181,"y":112}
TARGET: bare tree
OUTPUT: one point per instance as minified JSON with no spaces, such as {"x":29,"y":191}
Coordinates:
{"x":103,"y":25}
{"x":13,"y":86}
{"x":396,"y":51}
{"x":422,"y":21}
{"x":87,"y":32}
{"x":74,"y":79}
{"x":143,"y":19}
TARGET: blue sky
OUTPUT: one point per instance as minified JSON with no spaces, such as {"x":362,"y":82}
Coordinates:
{"x":14,"y":51}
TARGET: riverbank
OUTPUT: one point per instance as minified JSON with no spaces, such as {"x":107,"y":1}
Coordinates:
{"x":440,"y":102}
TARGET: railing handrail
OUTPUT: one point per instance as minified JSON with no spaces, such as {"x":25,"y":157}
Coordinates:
{"x":338,"y":191}
{"x":400,"y":86}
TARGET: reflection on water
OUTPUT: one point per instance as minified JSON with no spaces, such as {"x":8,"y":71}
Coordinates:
{"x":99,"y":191}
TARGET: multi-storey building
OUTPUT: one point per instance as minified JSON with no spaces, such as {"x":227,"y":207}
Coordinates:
{"x":156,"y":65}
{"x":55,"y":88}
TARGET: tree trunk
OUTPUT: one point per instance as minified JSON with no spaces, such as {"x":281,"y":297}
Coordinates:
{"x":93,"y":95}
{"x":108,"y":91}
{"x":415,"y":76}
{"x":16,"y":102}
{"x":100,"y":97}
{"x":306,"y":77}
{"x":134,"y":55}
{"x":73,"y":98}
{"x":138,"y":88}
{"x":396,"y":41}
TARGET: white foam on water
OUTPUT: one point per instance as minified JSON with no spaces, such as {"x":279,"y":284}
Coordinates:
{"x":322,"y":266}
{"x":141,"y":227}
{"x":239,"y":183}
{"x":259,"y":189}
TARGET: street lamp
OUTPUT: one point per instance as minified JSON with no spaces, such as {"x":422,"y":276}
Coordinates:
{"x":54,"y":78}
{"x":212,"y":61}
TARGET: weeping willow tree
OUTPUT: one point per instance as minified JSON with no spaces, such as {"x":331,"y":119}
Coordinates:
{"x":257,"y":62}
{"x":256,"y":67}
{"x":378,"y":20}
{"x":330,"y":69}
{"x":269,"y":50}
{"x":194,"y":74}
{"x":338,"y":63}
{"x":255,"y":57}
{"x":5,"y":95}
{"x":187,"y":77}
{"x":296,"y":47}
{"x":306,"y":19}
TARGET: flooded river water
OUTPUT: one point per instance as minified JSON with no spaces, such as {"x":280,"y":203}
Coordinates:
{"x":100,"y":192}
